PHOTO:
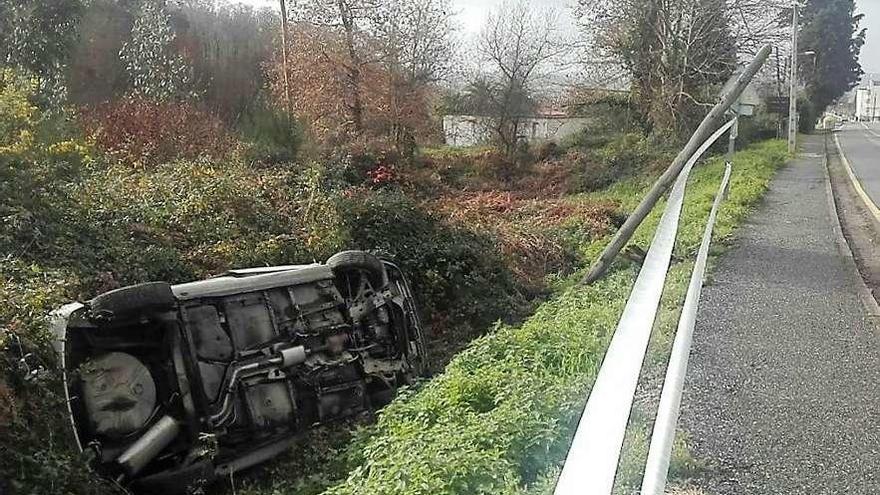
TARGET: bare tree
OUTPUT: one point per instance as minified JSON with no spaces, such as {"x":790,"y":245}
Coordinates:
{"x":392,"y":50}
{"x":351,"y":19}
{"x":517,"y":42}
{"x":417,"y":48}
{"x":755,"y":23}
{"x":676,"y":51}
{"x":416,"y":37}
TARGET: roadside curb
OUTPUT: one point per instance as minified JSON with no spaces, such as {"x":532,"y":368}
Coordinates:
{"x":865,"y":294}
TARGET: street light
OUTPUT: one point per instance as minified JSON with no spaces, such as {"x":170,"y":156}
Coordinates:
{"x":792,"y":92}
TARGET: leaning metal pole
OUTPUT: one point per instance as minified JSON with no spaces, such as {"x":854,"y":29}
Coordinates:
{"x":709,"y":124}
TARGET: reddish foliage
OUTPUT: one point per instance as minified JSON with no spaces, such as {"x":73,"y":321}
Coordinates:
{"x":524,"y":226}
{"x":549,"y":179}
{"x":323,"y":92}
{"x":382,"y":174}
{"x":146,"y":133}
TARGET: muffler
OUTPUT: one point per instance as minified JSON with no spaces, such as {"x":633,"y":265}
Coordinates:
{"x":148,"y":446}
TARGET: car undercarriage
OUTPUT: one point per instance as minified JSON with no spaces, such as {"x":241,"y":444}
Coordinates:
{"x":173,"y":386}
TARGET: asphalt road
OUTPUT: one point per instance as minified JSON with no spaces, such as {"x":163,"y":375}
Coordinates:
{"x":861,"y":144}
{"x":783,"y":390}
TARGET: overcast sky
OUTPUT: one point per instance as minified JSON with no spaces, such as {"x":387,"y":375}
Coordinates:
{"x":871,"y":51}
{"x":472,"y":14}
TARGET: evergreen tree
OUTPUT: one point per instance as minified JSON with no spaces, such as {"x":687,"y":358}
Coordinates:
{"x":155,"y":69}
{"x":830,"y":29}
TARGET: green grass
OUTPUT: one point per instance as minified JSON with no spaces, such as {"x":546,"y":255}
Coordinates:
{"x":500,"y":417}
{"x":496,"y":421}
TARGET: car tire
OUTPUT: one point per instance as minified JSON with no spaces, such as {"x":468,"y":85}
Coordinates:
{"x":360,"y":260}
{"x":152,"y":296}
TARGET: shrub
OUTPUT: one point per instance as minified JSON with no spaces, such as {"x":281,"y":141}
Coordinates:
{"x":808,"y":115}
{"x":451,"y":268}
{"x":586,"y":139}
{"x":362,"y":162}
{"x":142,"y":132}
{"x":443,"y":167}
{"x":623,"y":156}
{"x":272,"y":136}
{"x":18,"y":116}
{"x":39,"y":155}
{"x":761,"y":127}
{"x":199,"y":217}
{"x":531,"y":234}
{"x":548,"y":150}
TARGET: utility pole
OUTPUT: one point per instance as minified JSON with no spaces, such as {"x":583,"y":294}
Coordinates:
{"x":284,"y":37}
{"x":792,"y":95}
{"x":779,"y":118}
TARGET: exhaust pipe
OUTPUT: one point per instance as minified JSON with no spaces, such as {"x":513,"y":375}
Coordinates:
{"x":147,"y":447}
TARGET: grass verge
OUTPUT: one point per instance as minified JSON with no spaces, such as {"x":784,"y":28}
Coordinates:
{"x":500,"y":417}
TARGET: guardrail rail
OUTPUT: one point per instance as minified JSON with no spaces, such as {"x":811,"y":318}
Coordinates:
{"x":592,"y":461}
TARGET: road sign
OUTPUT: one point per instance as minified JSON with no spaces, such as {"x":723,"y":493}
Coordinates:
{"x":748,"y":100}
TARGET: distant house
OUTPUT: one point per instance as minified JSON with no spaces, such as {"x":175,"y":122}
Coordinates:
{"x":472,"y":130}
{"x":868,"y":101}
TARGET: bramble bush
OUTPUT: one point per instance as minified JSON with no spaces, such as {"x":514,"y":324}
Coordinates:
{"x":188,"y":219}
{"x":145,"y":133}
{"x":37,"y":161}
{"x":468,"y":169}
{"x":456,"y":272}
{"x":624,"y":156}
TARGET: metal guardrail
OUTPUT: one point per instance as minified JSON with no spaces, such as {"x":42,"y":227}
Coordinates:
{"x":592,"y":461}
{"x":713,"y":119}
{"x":657,"y":466}
{"x":591,"y":465}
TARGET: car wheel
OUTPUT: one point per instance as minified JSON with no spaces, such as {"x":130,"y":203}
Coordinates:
{"x":360,"y":260}
{"x":152,"y":296}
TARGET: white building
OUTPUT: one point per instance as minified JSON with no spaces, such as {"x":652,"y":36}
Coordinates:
{"x":868,"y":99}
{"x":472,"y":130}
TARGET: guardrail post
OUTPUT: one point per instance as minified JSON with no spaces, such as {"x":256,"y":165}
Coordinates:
{"x":707,"y":126}
{"x":731,"y":143}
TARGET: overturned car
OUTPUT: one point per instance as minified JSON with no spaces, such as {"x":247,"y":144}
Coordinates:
{"x":170,"y":386}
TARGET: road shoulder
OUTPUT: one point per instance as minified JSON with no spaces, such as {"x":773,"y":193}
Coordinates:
{"x":857,"y":224}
